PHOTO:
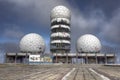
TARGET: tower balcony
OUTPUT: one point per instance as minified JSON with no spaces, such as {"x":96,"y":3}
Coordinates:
{"x":58,"y":23}
{"x":60,"y":34}
{"x":60,"y":26}
{"x":60,"y":30}
{"x":60,"y":38}
{"x":60,"y":48}
{"x":61,"y":20}
{"x":60,"y":41}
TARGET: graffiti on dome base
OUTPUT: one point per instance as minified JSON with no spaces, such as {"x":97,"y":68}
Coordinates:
{"x":39,"y":58}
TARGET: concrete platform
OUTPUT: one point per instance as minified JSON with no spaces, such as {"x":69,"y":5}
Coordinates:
{"x":87,"y":58}
{"x":58,"y":72}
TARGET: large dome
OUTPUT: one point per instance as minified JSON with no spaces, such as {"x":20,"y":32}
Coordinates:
{"x":33,"y":43}
{"x":60,"y":12}
{"x":88,"y":43}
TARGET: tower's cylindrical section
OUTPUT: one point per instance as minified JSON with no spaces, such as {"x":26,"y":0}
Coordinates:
{"x":60,"y":30}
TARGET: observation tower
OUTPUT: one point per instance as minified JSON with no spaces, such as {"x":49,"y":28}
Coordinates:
{"x":60,"y":30}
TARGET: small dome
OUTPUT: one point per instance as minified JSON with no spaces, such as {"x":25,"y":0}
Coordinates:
{"x":60,"y":12}
{"x":88,"y":43}
{"x":32,"y":43}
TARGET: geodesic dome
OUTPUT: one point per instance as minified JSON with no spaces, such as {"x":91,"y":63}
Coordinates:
{"x":33,"y":43}
{"x":60,"y":12}
{"x":88,"y":43}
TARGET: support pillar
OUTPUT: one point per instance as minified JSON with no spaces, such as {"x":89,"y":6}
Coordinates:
{"x":16,"y":58}
{"x":86,"y":59}
{"x":56,"y":58}
{"x":82,"y":59}
{"x":6,"y":57}
{"x":96,"y":58}
{"x":26,"y":57}
{"x":77,"y":58}
{"x":114,"y":58}
{"x":106,"y":59}
{"x":67,"y":58}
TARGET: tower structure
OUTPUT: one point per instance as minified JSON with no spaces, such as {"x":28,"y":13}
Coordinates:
{"x":60,"y":30}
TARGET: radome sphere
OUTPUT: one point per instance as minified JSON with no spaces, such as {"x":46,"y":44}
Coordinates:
{"x":88,"y":44}
{"x":60,"y":12}
{"x":33,"y":43}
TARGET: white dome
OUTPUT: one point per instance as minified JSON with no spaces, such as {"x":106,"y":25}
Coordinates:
{"x":60,"y":12}
{"x":32,"y":43}
{"x":88,"y":43}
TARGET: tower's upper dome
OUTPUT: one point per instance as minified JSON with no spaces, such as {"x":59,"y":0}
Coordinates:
{"x":60,"y":12}
{"x":32,"y":43}
{"x":88,"y":43}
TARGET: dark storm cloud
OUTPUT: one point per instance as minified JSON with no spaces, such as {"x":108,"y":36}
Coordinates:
{"x":108,"y":6}
{"x":8,"y":20}
{"x":111,"y":30}
{"x":14,"y":32}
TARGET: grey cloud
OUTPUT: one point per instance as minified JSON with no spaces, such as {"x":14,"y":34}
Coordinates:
{"x":88,"y":24}
{"x":13,"y":32}
{"x":111,"y":30}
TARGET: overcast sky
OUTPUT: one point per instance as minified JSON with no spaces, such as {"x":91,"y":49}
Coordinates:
{"x":98,"y":17}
